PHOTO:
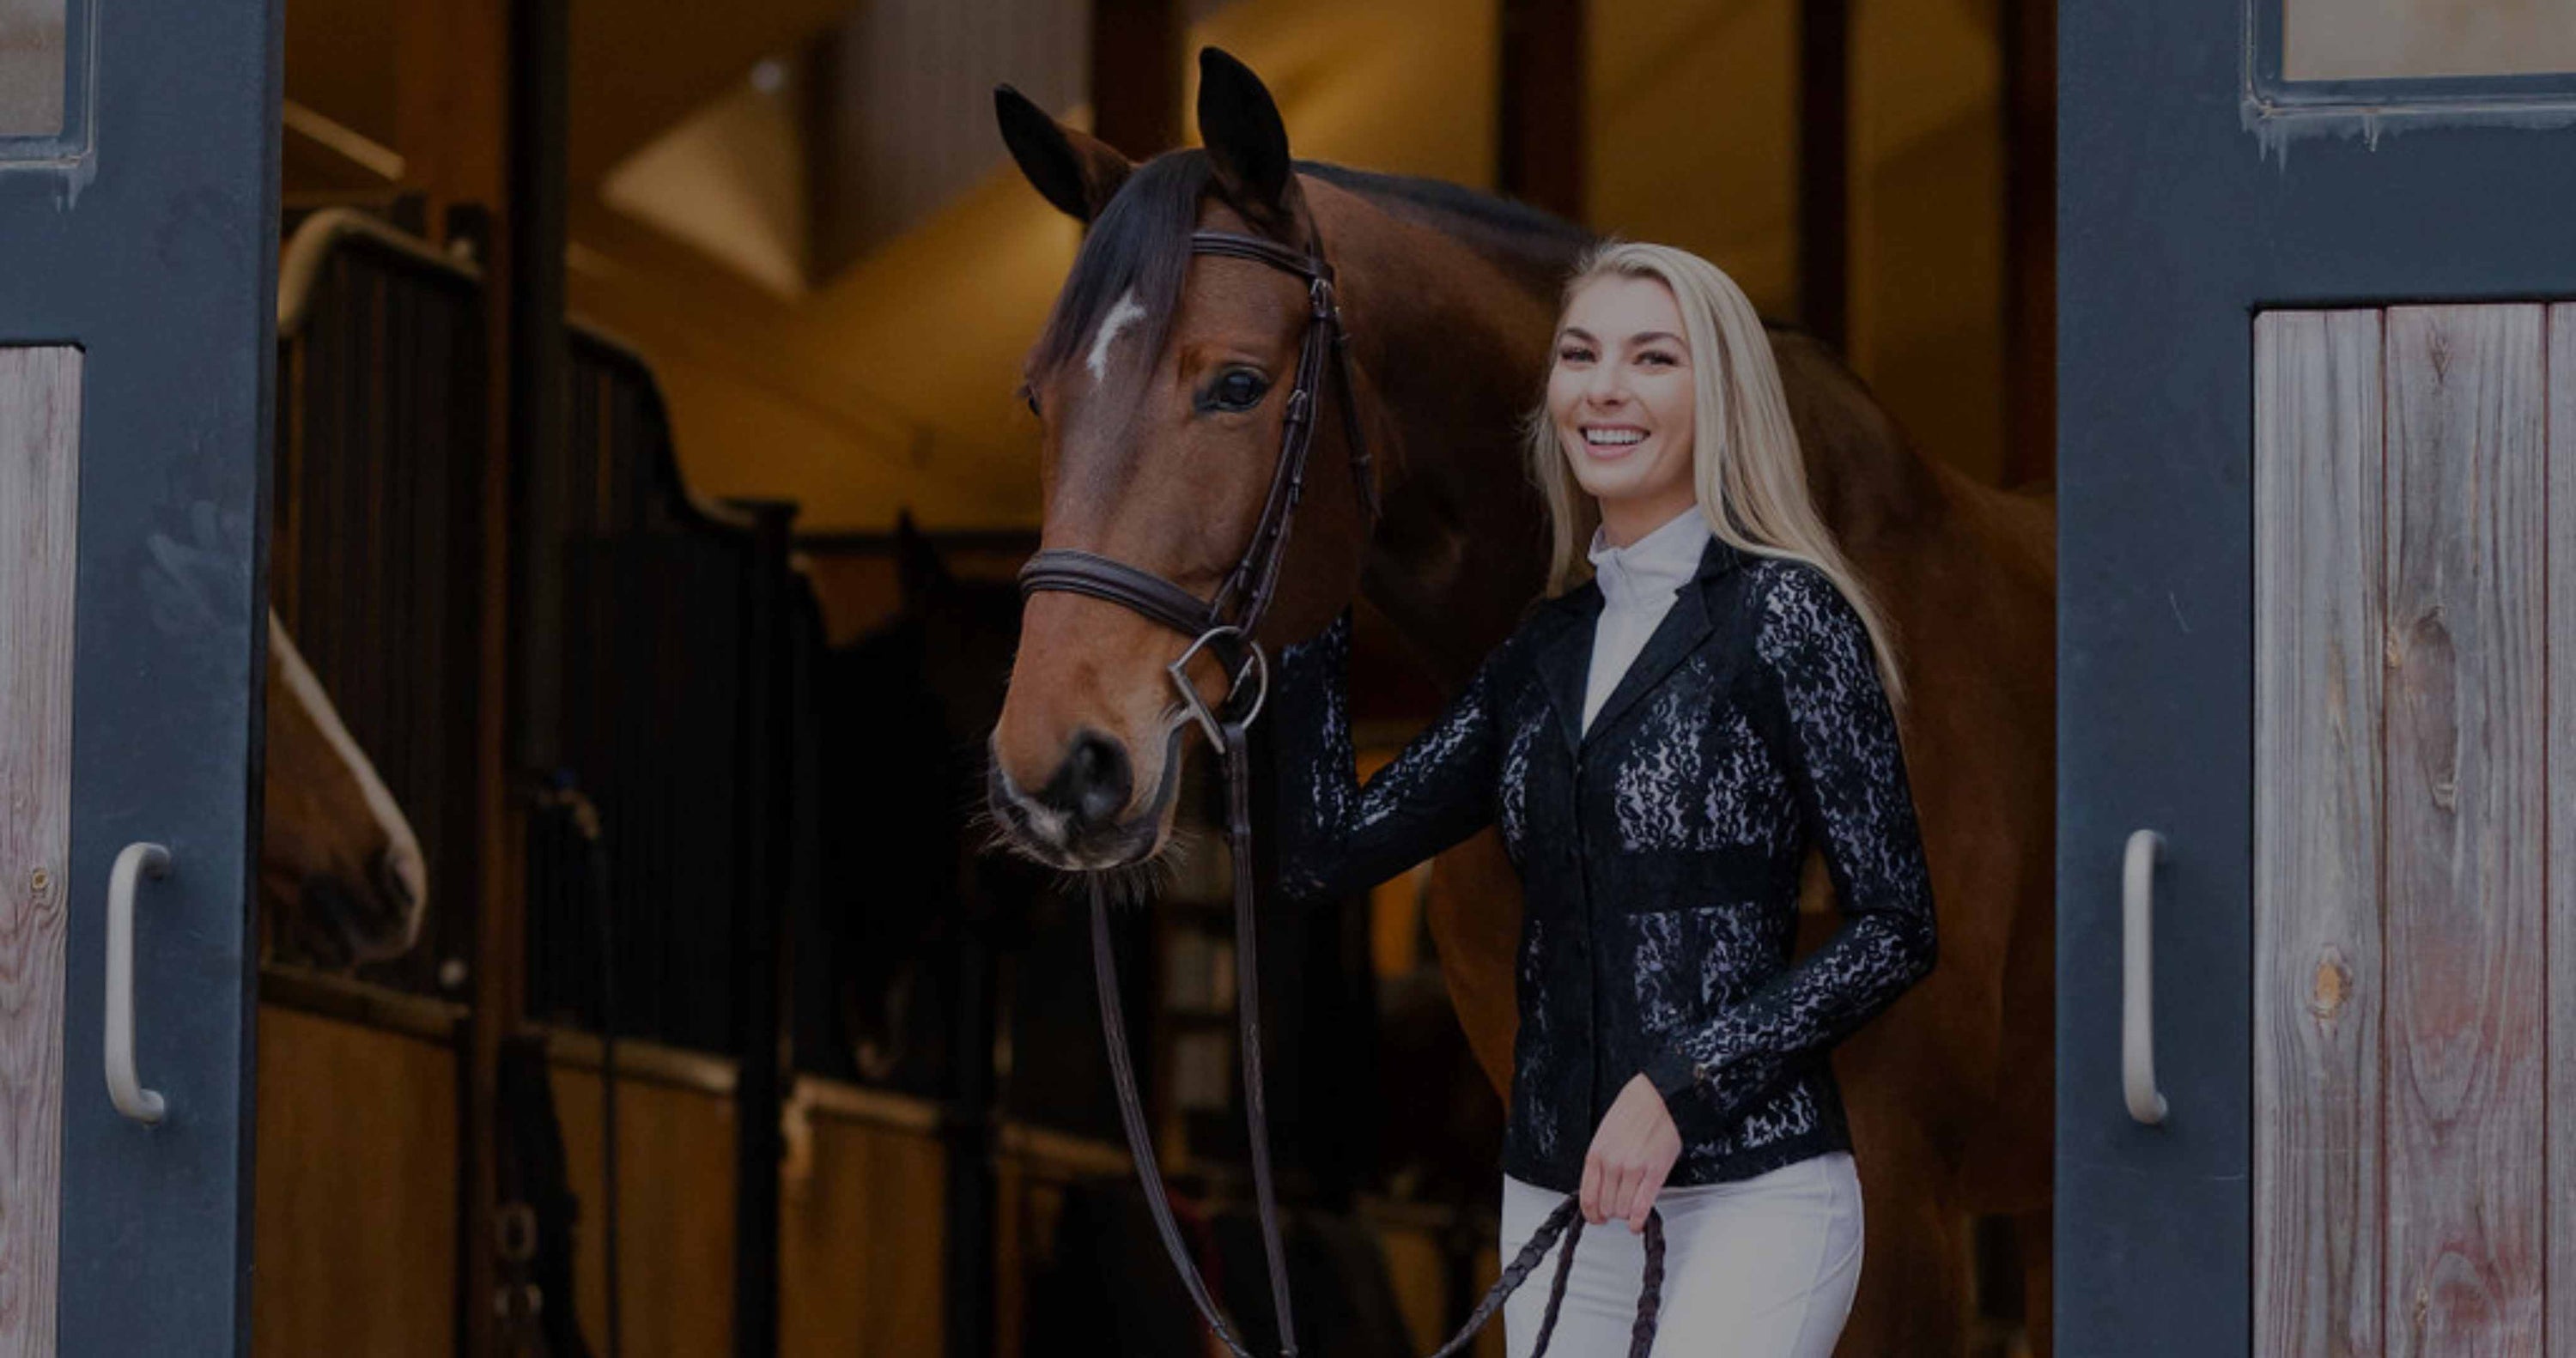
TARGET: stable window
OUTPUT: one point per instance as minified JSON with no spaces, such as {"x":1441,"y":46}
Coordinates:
{"x":2403,"y":57}
{"x":43,"y":97}
{"x":2426,"y":39}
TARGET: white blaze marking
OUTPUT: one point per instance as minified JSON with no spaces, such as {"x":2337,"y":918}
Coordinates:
{"x":405,"y":847}
{"x":1124,"y":314}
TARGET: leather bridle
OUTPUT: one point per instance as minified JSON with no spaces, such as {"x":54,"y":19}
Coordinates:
{"x":1227,"y":621}
{"x":1225,"y":626}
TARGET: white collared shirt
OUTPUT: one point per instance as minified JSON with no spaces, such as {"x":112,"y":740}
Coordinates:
{"x":1637,"y":582}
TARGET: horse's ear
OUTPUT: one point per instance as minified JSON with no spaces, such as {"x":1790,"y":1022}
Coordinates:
{"x":917,"y":565}
{"x":1073,"y":170}
{"x":1246,"y":142}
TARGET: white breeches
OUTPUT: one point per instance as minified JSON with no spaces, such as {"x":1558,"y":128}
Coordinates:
{"x":1762,"y":1268}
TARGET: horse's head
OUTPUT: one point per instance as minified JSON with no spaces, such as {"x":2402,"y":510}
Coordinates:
{"x":1161,"y":386}
{"x":339,"y":867}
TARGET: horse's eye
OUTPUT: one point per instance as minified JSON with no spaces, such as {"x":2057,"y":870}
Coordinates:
{"x":1030,"y":395}
{"x":1239,"y":389}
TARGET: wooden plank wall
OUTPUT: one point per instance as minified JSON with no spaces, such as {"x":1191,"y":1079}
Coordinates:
{"x":2467,"y":1000}
{"x":2404,"y":723}
{"x":350,"y":1113}
{"x":39,"y":489}
{"x":860,"y":1221}
{"x":354,"y":1113}
{"x":2317,"y":620}
{"x":2561,"y":886}
{"x":675,"y":1213}
{"x":354,"y":1212}
{"x":862,"y":1211}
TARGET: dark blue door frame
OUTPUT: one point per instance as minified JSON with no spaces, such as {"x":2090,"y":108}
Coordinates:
{"x":151,"y":243}
{"x":2176,"y":223}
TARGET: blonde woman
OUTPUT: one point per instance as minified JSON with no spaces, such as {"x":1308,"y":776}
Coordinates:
{"x":1705,"y":693}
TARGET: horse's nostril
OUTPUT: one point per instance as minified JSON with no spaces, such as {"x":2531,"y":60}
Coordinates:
{"x":394,"y":877}
{"x":1094,"y":783}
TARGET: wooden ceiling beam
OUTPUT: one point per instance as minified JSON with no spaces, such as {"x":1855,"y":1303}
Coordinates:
{"x":1542,"y":125}
{"x":1824,"y":169}
{"x":1136,"y":65}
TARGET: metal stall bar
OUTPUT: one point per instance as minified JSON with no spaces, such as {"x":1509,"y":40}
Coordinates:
{"x":767,"y":836}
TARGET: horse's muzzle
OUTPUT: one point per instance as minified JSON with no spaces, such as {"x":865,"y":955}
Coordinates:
{"x":1075,"y":822}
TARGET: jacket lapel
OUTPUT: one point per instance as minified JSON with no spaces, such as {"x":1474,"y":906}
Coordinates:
{"x":1565,"y":657}
{"x":1685,"y":625}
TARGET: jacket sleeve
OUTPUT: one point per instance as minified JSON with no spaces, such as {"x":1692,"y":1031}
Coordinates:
{"x":1831,"y":728}
{"x":1339,"y":836}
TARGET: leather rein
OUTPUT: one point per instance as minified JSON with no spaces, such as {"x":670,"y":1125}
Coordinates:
{"x":1225,"y":626}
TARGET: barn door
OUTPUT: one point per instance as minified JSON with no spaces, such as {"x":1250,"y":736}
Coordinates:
{"x":2415,"y":881}
{"x":2317,"y":678}
{"x":138,"y":212}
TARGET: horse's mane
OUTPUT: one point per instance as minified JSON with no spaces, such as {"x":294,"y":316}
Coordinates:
{"x":1514,"y":232}
{"x":1141,"y":241}
{"x":1511,"y":218}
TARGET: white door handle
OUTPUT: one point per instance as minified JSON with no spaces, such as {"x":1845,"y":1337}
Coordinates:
{"x":2138,"y":979}
{"x":132,"y":1099}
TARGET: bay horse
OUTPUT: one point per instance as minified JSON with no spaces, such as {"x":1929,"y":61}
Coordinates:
{"x":341,"y":876}
{"x":1157,"y":445}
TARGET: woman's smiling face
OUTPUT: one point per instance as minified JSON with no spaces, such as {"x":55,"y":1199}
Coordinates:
{"x":1621,"y":395}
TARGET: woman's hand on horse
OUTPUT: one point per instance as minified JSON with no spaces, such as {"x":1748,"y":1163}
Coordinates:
{"x":1630,"y":1156}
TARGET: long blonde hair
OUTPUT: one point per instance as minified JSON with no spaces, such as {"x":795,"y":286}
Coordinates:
{"x":1745,"y":465}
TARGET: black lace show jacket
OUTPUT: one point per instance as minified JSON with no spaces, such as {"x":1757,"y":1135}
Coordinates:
{"x":1659,"y":854}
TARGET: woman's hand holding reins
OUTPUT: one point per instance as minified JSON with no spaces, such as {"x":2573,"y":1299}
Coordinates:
{"x":1630,"y":1156}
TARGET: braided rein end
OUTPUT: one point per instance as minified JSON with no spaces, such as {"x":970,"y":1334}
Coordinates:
{"x":1650,"y":1292}
{"x":1556,"y":1287}
{"x":1566,"y":1219}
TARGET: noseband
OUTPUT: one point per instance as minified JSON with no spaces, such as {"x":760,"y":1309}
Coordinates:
{"x":1225,"y":625}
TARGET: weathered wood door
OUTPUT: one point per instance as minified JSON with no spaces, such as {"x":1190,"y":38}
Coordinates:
{"x":2414,"y":893}
{"x":2315,"y":557}
{"x":138,"y":212}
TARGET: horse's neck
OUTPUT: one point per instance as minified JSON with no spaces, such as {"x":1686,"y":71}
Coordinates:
{"x":1866,"y":478}
{"x":1452,"y":344}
